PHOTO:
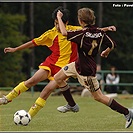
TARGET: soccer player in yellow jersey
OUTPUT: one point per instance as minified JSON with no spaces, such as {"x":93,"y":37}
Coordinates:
{"x":63,"y":52}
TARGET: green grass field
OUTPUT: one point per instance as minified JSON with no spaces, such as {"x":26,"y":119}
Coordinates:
{"x":93,"y":116}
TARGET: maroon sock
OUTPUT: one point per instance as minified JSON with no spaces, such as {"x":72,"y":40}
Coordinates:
{"x":68,"y":97}
{"x":119,"y":108}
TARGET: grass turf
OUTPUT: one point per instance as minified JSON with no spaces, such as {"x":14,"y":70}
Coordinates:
{"x":93,"y":116}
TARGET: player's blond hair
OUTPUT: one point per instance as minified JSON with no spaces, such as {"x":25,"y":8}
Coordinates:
{"x":87,"y":16}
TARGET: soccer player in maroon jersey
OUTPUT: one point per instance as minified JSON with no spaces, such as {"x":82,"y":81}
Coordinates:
{"x":88,"y":40}
{"x":63,"y":52}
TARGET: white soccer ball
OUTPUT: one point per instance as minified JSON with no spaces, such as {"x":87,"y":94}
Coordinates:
{"x":22,"y":117}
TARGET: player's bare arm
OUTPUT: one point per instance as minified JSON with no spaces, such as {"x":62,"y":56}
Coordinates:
{"x":23,"y":46}
{"x":109,"y":28}
{"x":106,"y":52}
{"x":61,"y":24}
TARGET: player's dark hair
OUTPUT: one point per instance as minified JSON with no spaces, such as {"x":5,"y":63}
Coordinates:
{"x":65,"y":12}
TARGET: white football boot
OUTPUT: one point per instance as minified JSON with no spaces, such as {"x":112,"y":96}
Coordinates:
{"x":66,"y":108}
{"x":3,"y":100}
{"x":129,"y":118}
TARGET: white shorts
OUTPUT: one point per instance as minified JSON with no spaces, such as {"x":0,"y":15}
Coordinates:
{"x":89,"y":82}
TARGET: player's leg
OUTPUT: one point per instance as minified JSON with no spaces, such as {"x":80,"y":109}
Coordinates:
{"x":41,"y":101}
{"x":60,"y":78}
{"x":92,"y":84}
{"x":40,"y":75}
{"x":100,"y":97}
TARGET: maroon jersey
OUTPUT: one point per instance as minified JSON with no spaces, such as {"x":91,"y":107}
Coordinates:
{"x":89,"y":41}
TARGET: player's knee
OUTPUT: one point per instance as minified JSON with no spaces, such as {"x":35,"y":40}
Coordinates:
{"x":58,"y":80}
{"x":98,"y":95}
{"x":98,"y":98}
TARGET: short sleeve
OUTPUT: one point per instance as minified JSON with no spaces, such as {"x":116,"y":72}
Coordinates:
{"x":45,"y":39}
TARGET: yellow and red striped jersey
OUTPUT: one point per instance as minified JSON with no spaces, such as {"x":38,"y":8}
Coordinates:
{"x":63,"y":51}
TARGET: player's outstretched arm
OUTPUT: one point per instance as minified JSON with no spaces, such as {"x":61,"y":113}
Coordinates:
{"x":23,"y":46}
{"x":109,"y":28}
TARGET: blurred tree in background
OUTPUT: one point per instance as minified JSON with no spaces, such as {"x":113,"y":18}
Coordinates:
{"x":22,"y":21}
{"x":122,"y":18}
{"x":11,"y":64}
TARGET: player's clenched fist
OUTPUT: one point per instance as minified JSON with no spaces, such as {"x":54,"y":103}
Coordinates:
{"x":9,"y":49}
{"x":112,"y":28}
{"x":59,"y":14}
